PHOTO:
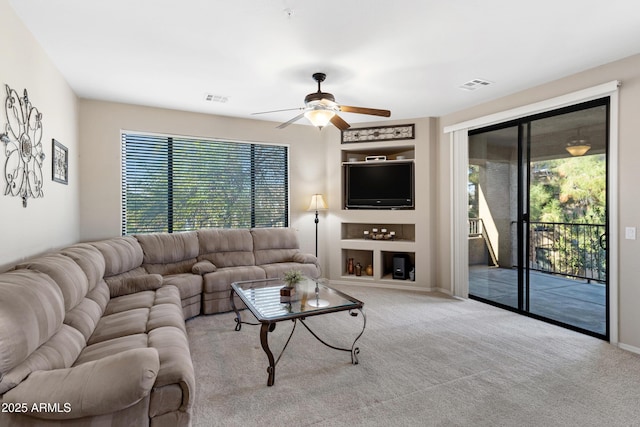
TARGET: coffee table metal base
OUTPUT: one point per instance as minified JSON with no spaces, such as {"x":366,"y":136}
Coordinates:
{"x":266,"y":327}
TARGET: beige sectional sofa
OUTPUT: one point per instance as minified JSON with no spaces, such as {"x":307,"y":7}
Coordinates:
{"x":94,"y":334}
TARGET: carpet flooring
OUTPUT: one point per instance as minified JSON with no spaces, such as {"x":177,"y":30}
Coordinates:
{"x":425,"y":360}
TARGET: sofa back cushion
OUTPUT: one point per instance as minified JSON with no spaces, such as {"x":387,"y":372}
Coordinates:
{"x":68,"y":276}
{"x":121,"y":254}
{"x":169,"y":253}
{"x":31,"y":312}
{"x":90,"y":261}
{"x":226,"y":247}
{"x":273,"y":245}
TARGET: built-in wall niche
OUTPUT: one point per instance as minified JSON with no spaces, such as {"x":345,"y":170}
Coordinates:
{"x":387,"y":264}
{"x":383,"y":232}
{"x":356,"y":256}
{"x":403,"y":152}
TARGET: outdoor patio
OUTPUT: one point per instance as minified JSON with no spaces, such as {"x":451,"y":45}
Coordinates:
{"x":575,"y":302}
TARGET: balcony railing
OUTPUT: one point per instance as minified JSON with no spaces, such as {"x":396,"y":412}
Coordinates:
{"x":568,"y":249}
{"x":574,"y":250}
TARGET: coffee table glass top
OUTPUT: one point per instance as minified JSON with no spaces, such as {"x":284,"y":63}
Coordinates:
{"x":311,"y":297}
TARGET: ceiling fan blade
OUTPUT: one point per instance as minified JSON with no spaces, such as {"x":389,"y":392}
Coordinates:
{"x":362,"y":110}
{"x":278,"y":111}
{"x":339,"y":123}
{"x":295,"y":119}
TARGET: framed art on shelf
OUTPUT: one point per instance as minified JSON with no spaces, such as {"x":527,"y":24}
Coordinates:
{"x":59,"y":162}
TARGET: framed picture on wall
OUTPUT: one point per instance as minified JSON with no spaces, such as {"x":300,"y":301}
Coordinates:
{"x":59,"y":162}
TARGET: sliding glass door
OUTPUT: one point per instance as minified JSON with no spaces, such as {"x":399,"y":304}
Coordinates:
{"x":538,"y":216}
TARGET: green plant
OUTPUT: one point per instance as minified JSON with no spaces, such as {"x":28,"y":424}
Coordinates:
{"x":292,"y":277}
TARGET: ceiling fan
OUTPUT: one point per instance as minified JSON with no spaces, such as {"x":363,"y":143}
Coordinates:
{"x":321,"y":108}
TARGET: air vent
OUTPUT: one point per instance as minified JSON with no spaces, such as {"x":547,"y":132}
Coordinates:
{"x":209,"y":97}
{"x":475,"y":84}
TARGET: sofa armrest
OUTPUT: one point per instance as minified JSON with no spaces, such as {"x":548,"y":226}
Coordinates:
{"x":94,"y":388}
{"x":132,"y":285}
{"x":305,"y":258}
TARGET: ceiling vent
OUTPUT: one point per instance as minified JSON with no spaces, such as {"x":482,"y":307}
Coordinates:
{"x":475,"y":84}
{"x":209,"y":97}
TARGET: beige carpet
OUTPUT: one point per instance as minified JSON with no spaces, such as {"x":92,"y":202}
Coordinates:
{"x":425,"y":360}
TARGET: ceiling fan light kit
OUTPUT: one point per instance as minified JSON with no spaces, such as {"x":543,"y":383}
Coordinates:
{"x":321,"y":108}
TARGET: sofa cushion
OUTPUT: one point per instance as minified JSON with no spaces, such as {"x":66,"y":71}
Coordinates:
{"x":90,"y":261}
{"x":129,"y":302}
{"x":99,"y":387}
{"x":121,"y":254}
{"x":112,"y":346}
{"x":226,"y":247}
{"x":188,"y":284}
{"x":31,"y":312}
{"x":60,"y":351}
{"x":115,"y":325}
{"x":166,"y":248}
{"x":68,"y":275}
{"x":271,"y":245}
{"x":222,"y":279}
{"x":169,"y":253}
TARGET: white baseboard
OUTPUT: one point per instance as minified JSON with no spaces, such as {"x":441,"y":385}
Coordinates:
{"x":630,"y":348}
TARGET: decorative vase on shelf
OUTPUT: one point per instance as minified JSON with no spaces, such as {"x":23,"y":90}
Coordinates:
{"x":350,"y":266}
{"x":369,"y":270}
{"x":358,"y":269}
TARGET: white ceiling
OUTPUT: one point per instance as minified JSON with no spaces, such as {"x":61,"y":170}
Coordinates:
{"x":408,"y":56}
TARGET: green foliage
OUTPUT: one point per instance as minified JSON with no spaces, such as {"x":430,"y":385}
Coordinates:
{"x":569,"y":190}
{"x":292,"y":277}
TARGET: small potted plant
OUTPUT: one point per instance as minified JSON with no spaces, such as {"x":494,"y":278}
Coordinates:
{"x":290,"y":279}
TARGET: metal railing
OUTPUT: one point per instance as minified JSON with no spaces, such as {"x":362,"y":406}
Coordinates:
{"x":575,"y":250}
{"x":568,"y":249}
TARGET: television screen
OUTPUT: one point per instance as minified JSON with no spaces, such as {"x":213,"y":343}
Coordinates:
{"x":379,"y":185}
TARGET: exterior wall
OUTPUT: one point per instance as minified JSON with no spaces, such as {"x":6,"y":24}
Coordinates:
{"x":52,"y":221}
{"x":628,"y":72}
{"x":102,"y":122}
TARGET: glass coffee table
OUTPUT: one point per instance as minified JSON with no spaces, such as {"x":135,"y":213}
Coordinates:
{"x":312,"y":298}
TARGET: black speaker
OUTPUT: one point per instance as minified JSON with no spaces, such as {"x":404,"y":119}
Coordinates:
{"x":401,"y":266}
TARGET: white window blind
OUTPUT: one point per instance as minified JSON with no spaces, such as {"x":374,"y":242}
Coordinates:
{"x":178,"y":184}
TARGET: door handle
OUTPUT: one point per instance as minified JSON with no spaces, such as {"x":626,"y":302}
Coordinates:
{"x":602,"y":241}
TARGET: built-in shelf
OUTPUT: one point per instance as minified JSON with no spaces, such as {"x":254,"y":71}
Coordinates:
{"x":365,"y":249}
{"x":361,"y":152}
{"x":401,"y":232}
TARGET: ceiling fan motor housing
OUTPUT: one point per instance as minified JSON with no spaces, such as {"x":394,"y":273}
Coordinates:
{"x":318,"y":96}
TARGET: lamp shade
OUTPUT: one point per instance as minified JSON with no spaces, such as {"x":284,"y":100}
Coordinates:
{"x":317,"y":203}
{"x":319,"y":117}
{"x":578,"y":147}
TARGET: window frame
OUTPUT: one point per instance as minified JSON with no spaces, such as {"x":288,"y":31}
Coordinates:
{"x":167,"y":136}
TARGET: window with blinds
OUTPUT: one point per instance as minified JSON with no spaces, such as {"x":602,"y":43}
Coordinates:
{"x":178,"y":184}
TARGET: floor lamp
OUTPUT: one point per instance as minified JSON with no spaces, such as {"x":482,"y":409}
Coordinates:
{"x":317,"y":204}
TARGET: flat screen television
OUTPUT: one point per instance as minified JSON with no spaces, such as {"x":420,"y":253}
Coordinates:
{"x":379,"y":185}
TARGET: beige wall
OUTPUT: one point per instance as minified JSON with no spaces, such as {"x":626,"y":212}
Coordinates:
{"x":100,"y":127}
{"x":52,"y":221}
{"x":627,"y":71}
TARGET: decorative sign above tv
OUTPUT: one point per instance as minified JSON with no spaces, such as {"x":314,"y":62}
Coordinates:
{"x":379,"y":133}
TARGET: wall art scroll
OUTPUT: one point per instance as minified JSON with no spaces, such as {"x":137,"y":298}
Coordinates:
{"x":22,"y":140}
